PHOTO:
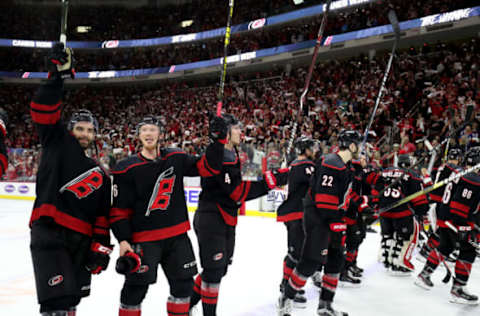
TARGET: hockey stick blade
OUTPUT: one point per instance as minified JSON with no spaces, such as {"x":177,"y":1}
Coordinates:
{"x":448,"y":275}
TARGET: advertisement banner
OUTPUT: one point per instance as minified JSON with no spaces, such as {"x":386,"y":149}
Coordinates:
{"x":17,"y":190}
{"x":329,"y":40}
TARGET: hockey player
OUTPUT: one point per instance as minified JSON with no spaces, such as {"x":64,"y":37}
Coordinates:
{"x":443,"y":172}
{"x":290,"y":212}
{"x":399,"y":227}
{"x":355,"y":217}
{"x":216,"y":216}
{"x":325,"y":204}
{"x":3,"y":148}
{"x":149,"y":216}
{"x":455,"y":228}
{"x":69,"y":228}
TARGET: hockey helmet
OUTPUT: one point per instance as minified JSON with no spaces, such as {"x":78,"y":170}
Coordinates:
{"x":404,"y":161}
{"x":82,"y":115}
{"x":455,"y":153}
{"x":302,"y":144}
{"x":347,"y":137}
{"x":230,"y":119}
{"x":148,"y":120}
{"x":473,"y":156}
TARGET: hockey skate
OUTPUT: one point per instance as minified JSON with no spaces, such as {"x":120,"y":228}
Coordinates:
{"x":284,"y":306}
{"x":399,"y":271}
{"x":326,"y":309}
{"x":423,"y":280}
{"x":347,"y":279}
{"x":460,"y":295}
{"x":356,"y":270}
{"x":300,"y":301}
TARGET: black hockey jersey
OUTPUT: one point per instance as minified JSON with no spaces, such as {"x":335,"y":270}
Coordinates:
{"x":226,"y":192}
{"x":3,"y":156}
{"x":149,"y":198}
{"x":442,"y":173}
{"x":71,"y":188}
{"x":298,"y":182}
{"x":410,"y":183}
{"x":331,"y":184}
{"x":465,"y":200}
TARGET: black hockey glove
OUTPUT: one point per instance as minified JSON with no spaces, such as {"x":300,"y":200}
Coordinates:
{"x":276,"y":178}
{"x":130,"y":262}
{"x":3,"y":122}
{"x":218,"y":129}
{"x":60,"y":62}
{"x":98,"y":258}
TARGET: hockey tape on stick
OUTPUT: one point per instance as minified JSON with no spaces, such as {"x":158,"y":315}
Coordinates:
{"x":321,"y":30}
{"x":396,"y":29}
{"x":453,"y":177}
{"x":223,"y":73}
{"x":63,"y":23}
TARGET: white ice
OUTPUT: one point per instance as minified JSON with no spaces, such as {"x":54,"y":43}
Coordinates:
{"x":250,"y":288}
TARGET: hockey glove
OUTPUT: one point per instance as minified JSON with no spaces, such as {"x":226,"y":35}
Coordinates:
{"x":60,"y":62}
{"x":130,"y":262}
{"x":275,"y":178}
{"x":98,"y":258}
{"x":218,"y":129}
{"x":3,"y":122}
{"x":364,"y":208}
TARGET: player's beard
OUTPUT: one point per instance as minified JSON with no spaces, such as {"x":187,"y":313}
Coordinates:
{"x":84,"y":142}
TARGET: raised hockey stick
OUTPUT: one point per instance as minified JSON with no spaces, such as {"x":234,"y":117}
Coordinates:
{"x":437,"y":185}
{"x":223,"y":73}
{"x":63,"y":23}
{"x":321,"y":29}
{"x":392,"y":17}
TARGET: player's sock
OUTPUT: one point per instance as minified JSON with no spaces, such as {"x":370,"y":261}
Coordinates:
{"x":129,"y":310}
{"x":197,"y":291}
{"x":210,"y":298}
{"x":288,"y":266}
{"x":329,"y":286}
{"x":178,"y":306}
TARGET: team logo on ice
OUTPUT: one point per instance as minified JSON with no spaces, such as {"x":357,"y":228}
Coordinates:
{"x":83,"y":185}
{"x":55,"y":280}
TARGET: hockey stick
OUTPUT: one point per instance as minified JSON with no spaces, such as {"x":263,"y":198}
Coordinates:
{"x":309,"y":77}
{"x":392,"y":17}
{"x":223,"y":73}
{"x":437,"y":185}
{"x":63,"y":23}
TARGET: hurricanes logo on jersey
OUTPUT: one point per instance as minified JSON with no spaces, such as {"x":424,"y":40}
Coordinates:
{"x":162,"y":192}
{"x":83,"y":185}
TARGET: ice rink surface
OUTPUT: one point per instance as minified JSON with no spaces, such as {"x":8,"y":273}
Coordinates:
{"x":250,"y":288}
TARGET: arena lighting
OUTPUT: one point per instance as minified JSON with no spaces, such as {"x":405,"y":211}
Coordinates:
{"x":186,"y":23}
{"x":297,"y":2}
{"x":83,"y":29}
